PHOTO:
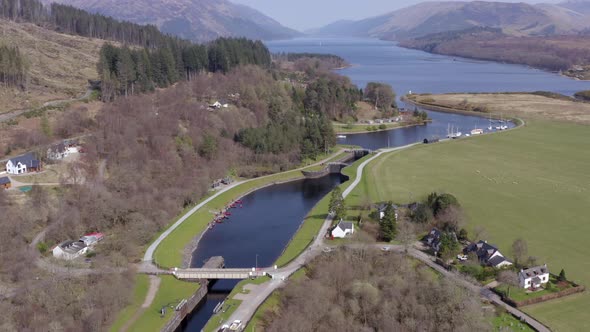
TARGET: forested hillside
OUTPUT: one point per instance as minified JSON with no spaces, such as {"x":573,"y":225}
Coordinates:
{"x":125,"y":71}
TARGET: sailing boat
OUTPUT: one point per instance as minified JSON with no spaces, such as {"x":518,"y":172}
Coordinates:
{"x":490,"y":127}
{"x":457,"y":133}
{"x":476,"y":131}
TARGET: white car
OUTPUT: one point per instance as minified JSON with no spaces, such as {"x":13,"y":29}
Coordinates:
{"x":385,"y":248}
{"x":462,"y":258}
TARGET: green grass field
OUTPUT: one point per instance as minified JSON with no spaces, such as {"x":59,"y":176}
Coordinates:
{"x":142,"y":284}
{"x":170,"y":293}
{"x":532,"y":182}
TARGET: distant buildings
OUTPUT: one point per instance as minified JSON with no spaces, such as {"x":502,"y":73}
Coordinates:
{"x":57,"y":152}
{"x":342,"y":230}
{"x":488,"y":254}
{"x":23,"y":164}
{"x":433,"y":239}
{"x":533,"y":277}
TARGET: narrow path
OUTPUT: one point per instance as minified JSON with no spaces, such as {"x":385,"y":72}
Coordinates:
{"x":149,"y":298}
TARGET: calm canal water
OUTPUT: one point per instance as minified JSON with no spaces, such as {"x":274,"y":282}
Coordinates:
{"x":257,"y":232}
{"x":271,"y":216}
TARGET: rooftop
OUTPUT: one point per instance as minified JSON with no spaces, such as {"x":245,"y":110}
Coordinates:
{"x":4,"y":180}
{"x":27,"y":159}
{"x":534,"y":271}
{"x":72,"y":247}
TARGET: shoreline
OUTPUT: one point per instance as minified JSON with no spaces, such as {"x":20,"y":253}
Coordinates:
{"x":379,"y":130}
{"x":558,"y":73}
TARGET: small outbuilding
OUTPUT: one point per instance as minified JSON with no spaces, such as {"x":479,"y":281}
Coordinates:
{"x":342,"y":230}
{"x":91,"y":239}
{"x":5,"y":182}
{"x":70,"y":249}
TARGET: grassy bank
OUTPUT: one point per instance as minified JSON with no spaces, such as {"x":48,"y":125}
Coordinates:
{"x":531,"y":183}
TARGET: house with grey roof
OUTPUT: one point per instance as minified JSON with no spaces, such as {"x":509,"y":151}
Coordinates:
{"x":342,"y":230}
{"x":488,"y":254}
{"x":70,"y":249}
{"x":533,"y":277}
{"x":23,"y":164}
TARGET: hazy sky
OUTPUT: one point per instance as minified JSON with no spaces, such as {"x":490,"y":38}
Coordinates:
{"x":305,"y":14}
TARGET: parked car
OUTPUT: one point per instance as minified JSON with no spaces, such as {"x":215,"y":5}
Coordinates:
{"x":385,"y":248}
{"x":462,"y":258}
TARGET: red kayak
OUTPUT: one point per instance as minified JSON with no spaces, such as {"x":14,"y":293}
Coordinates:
{"x":239,"y":201}
{"x":227,"y":214}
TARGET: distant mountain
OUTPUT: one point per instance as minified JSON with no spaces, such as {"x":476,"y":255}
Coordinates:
{"x":198,"y":20}
{"x":437,"y":17}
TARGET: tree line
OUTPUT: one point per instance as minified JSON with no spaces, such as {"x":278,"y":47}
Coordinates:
{"x":13,"y":66}
{"x":125,"y":71}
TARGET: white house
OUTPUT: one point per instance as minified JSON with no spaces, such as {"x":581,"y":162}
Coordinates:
{"x":69,"y":250}
{"x":23,"y":164}
{"x":218,"y":105}
{"x":534,"y":277}
{"x":488,"y":254}
{"x":342,"y":230}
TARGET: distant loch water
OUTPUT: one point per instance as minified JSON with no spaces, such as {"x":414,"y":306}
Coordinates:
{"x":420,"y":72}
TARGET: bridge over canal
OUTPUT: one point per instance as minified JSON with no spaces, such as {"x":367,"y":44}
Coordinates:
{"x":223,"y":273}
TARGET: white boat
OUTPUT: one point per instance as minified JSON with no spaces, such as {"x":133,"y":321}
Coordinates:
{"x":490,"y":126}
{"x":341,"y":136}
{"x":477,"y":131}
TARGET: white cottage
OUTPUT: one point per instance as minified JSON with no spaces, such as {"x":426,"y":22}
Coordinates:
{"x":23,"y":164}
{"x":69,"y":250}
{"x":534,"y":277}
{"x":342,"y":230}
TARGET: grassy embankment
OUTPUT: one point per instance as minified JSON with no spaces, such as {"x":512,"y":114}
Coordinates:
{"x":531,"y":183}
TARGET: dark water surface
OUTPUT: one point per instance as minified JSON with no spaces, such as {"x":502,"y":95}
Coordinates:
{"x":258,"y":232}
{"x":271,"y":216}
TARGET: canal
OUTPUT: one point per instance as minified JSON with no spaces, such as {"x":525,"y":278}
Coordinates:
{"x":258,"y":232}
